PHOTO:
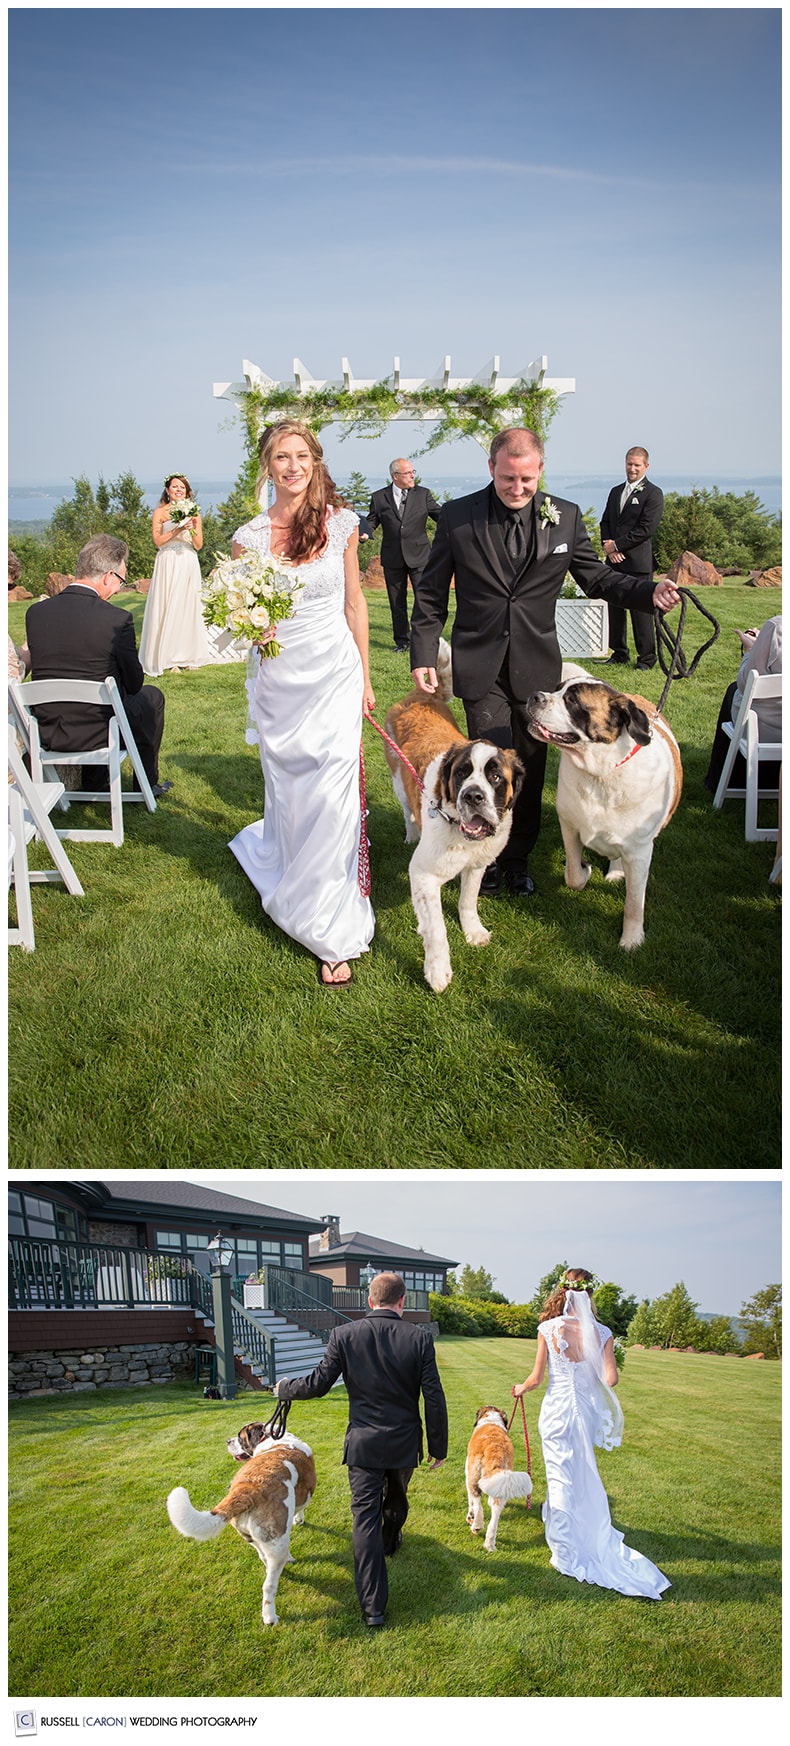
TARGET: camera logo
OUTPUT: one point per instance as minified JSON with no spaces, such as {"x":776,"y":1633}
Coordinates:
{"x":25,"y":1722}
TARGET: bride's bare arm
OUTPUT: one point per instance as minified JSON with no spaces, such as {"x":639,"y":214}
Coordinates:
{"x":356,"y":609}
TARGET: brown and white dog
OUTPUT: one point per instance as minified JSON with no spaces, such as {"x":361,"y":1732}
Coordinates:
{"x":489,"y":1470}
{"x":264,"y":1501}
{"x":620,"y":780}
{"x":465,"y":813}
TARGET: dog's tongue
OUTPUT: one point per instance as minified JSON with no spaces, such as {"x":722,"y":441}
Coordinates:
{"x":476,"y":827}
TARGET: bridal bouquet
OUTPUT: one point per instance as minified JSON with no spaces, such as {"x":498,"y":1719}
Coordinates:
{"x":181,"y":511}
{"x":246,"y":596}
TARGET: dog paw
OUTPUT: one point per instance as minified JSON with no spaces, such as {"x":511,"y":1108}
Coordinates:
{"x":631,"y":939}
{"x":270,"y":1619}
{"x":615,"y":870}
{"x":476,"y":936}
{"x":577,"y":879}
{"x":438,"y":975}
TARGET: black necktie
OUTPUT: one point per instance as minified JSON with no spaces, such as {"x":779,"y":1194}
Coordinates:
{"x":515,"y":540}
{"x":402,"y":504}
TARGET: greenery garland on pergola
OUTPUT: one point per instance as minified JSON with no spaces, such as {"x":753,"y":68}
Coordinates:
{"x":474,"y":411}
{"x":474,"y":407}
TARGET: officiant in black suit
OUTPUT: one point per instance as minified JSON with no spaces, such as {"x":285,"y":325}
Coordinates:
{"x":633,"y":511}
{"x":386,"y":1364}
{"x":78,"y":634}
{"x":402,"y":510}
{"x":509,"y":548}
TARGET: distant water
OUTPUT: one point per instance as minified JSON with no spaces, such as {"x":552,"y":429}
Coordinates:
{"x":590,"y":491}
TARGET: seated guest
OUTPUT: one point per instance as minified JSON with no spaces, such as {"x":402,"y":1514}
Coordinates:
{"x":763,"y":655}
{"x":79,"y":635}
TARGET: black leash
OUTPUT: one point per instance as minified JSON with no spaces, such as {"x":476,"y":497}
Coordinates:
{"x":275,"y":1426}
{"x":669,"y":644}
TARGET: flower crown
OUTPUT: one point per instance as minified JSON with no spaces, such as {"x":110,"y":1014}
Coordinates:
{"x":169,"y":477}
{"x":590,"y":1284}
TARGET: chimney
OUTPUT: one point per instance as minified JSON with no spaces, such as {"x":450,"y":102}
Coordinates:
{"x":330,"y":1237}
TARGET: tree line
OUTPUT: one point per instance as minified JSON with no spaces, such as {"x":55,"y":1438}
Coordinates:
{"x":732,"y":532}
{"x":471,"y":1306}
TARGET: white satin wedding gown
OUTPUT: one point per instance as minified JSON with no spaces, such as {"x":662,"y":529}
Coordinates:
{"x":175,"y":633}
{"x":306,"y":703}
{"x":574,"y":1417}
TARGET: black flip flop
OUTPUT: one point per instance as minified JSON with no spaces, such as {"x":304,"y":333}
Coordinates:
{"x":346,"y":983}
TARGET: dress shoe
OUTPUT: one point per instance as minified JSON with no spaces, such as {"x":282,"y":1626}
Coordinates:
{"x":374,"y":1621}
{"x":519,"y":882}
{"x":401,"y":648}
{"x":491,"y":883}
{"x":618,"y":661}
{"x":645,"y":666}
{"x":160,"y":788}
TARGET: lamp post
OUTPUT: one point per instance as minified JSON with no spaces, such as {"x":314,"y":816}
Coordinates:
{"x":220,"y":1254}
{"x":367,"y":1275}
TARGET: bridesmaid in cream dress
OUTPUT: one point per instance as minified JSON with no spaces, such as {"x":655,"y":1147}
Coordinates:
{"x":174,"y":631}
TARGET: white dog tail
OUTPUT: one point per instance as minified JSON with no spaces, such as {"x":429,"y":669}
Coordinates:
{"x":195,"y":1524}
{"x":506,"y":1485}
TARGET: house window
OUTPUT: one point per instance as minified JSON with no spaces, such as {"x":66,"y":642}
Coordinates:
{"x":28,"y":1216}
{"x":169,"y":1240}
{"x":415,"y":1281}
{"x":294,"y":1255}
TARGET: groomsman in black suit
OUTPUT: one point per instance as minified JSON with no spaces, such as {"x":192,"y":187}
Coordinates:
{"x":79,"y":635}
{"x":386,"y":1364}
{"x":402,"y":510}
{"x":633,"y":511}
{"x":509,"y":548}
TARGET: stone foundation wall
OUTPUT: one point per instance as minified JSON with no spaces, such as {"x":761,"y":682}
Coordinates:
{"x":35,"y":1373}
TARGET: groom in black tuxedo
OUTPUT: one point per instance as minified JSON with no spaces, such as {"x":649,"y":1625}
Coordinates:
{"x":79,"y":635}
{"x":386,"y":1365}
{"x":402,"y":510}
{"x":509,"y":548}
{"x":633,"y":511}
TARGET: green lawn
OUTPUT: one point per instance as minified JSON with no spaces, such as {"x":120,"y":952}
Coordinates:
{"x":107,"y":1600}
{"x":163,"y":1022}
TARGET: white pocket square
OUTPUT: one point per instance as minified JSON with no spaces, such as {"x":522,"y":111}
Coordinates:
{"x":560,"y":548}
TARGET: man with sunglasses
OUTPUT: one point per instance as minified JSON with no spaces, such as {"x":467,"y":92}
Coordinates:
{"x":78,"y":634}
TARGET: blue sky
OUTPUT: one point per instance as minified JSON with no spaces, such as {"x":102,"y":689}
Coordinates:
{"x":722,"y":1238}
{"x":194,"y":186}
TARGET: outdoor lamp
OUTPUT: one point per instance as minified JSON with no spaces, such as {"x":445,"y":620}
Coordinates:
{"x":367,"y":1275}
{"x":220,"y":1253}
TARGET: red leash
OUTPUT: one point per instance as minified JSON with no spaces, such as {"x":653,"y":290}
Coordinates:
{"x":396,"y":749}
{"x":526,"y":1439}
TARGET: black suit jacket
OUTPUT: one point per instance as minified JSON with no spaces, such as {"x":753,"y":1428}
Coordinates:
{"x":404,"y":541}
{"x":386,"y":1365}
{"x":496,"y":617}
{"x":632,"y":528}
{"x":78,"y":636}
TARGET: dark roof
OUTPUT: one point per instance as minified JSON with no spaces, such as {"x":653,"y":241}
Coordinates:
{"x":358,"y":1246}
{"x":142,"y":1195}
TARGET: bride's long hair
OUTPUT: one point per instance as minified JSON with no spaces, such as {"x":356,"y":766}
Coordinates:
{"x":309,"y":524}
{"x":576,"y":1278}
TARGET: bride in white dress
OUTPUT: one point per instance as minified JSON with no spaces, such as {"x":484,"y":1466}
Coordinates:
{"x":306,"y":703}
{"x":579,"y":1411}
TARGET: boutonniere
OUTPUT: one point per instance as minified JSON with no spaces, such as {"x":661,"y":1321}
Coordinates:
{"x":637,"y":489}
{"x":549,"y":513}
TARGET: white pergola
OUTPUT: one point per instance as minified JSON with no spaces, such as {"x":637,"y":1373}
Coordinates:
{"x":489,"y":378}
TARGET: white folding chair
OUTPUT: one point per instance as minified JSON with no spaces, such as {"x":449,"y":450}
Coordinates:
{"x":120,"y":744}
{"x":744,"y":737}
{"x":29,"y":806}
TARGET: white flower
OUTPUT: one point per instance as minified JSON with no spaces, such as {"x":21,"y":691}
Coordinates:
{"x":549,"y":513}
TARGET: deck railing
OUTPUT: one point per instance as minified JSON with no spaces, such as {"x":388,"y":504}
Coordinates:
{"x":302,"y":1304}
{"x":88,"y":1276}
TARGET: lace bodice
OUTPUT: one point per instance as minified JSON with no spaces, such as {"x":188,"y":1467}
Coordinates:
{"x":563,"y":1355}
{"x":324,"y":576}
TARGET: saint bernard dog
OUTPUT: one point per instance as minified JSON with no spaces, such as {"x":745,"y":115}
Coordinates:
{"x":465,"y":813}
{"x":264,"y":1501}
{"x":620,"y":780}
{"x":489,"y":1470}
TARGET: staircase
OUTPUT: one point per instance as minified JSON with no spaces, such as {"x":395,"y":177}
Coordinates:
{"x":296,"y":1352}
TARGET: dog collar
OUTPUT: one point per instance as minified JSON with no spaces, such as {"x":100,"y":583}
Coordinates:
{"x":631,"y":754}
